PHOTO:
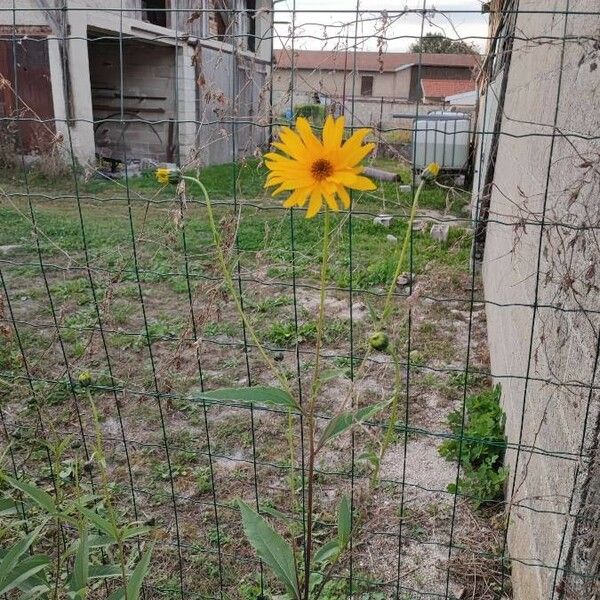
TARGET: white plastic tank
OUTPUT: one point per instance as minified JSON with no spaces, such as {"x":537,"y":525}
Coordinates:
{"x":442,"y":137}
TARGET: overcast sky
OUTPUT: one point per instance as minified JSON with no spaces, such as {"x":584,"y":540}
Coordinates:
{"x":322,"y":24}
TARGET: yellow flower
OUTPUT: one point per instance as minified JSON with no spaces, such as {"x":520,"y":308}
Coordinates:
{"x":314,"y":169}
{"x":430,"y":172}
{"x":166,"y":175}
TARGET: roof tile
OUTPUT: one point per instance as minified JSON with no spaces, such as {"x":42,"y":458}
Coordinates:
{"x":440,"y":88}
{"x":335,"y":60}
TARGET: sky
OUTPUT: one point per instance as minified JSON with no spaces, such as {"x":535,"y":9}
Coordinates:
{"x":326,"y":24}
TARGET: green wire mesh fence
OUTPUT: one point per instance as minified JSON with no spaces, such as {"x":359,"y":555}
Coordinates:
{"x":476,"y":476}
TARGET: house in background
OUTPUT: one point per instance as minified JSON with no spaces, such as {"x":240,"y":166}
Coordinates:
{"x":146,"y":82}
{"x":379,"y":84}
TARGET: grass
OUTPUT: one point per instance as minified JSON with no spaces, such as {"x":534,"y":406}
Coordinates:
{"x":169,"y":274}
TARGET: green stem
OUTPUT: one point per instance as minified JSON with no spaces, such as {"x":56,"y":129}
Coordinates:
{"x":110,"y":511}
{"x":228,"y":278}
{"x":311,"y":405}
{"x":389,"y":433}
{"x":231,"y":286}
{"x":403,"y":252}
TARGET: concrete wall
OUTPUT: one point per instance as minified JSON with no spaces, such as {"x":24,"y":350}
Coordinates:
{"x":148,"y":98}
{"x":545,"y":357}
{"x":210,"y":80}
{"x":402,"y":85}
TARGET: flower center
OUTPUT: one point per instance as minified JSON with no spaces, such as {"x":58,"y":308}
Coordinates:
{"x":321,"y":169}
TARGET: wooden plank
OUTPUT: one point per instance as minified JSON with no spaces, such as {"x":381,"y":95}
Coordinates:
{"x":33,"y":107}
{"x":128,"y":109}
{"x":9,"y":31}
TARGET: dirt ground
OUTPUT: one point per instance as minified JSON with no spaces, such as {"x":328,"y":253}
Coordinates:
{"x":181,"y":465}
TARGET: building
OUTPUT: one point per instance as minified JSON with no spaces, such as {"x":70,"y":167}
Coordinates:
{"x":144,"y":83}
{"x":379,"y":83}
{"x":536,"y":193}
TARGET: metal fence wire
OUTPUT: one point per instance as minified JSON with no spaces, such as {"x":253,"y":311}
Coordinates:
{"x":125,"y":302}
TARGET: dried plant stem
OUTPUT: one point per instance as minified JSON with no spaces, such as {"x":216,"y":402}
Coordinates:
{"x":231,"y":286}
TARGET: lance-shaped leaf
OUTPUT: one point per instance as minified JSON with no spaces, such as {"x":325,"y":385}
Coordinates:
{"x":22,"y":572}
{"x":268,"y":396}
{"x":134,"y":585}
{"x":80,"y":575}
{"x":344,"y":521}
{"x":347,"y":419}
{"x":327,"y":551}
{"x":37,"y":494}
{"x":271,"y":548}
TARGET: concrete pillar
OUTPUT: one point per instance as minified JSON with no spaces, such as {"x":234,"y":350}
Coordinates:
{"x":82,"y":123}
{"x":186,"y":102}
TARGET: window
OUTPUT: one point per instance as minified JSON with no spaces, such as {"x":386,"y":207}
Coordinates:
{"x":217,"y":27}
{"x":366,"y":85}
{"x":155,"y":12}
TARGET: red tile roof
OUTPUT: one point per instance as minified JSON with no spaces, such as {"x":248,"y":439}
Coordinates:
{"x":330,"y":60}
{"x":440,"y":88}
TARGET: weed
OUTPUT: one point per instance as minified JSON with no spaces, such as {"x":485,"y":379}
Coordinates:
{"x":269,"y":304}
{"x":203,"y":480}
{"x":457,"y":380}
{"x":78,"y":325}
{"x":51,"y":394}
{"x":220,"y":328}
{"x":283,"y":334}
{"x":77,"y":290}
{"x":121,"y":312}
{"x":481,"y":453}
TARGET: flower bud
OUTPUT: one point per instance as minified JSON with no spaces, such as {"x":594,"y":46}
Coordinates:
{"x":85,"y":379}
{"x":379,"y":341}
{"x":430,"y":172}
{"x":167,"y":175}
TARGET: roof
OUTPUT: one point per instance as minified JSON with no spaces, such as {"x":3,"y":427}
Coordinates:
{"x":465,"y":98}
{"x":335,"y":60}
{"x":440,"y":88}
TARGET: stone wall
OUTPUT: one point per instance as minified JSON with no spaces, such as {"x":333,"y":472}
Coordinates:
{"x":542,"y":296}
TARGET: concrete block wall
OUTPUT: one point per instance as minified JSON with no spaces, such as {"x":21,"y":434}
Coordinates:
{"x":198,"y":130}
{"x":147,"y":71}
{"x":545,"y":357}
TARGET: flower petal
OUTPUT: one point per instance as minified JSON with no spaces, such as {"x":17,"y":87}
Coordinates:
{"x":315,"y":203}
{"x":313,"y":145}
{"x":361,"y":183}
{"x":344,"y":196}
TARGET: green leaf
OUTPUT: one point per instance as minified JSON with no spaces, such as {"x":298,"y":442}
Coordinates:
{"x":329,"y":374}
{"x":134,"y":585}
{"x":275,"y":513}
{"x":104,"y":571}
{"x":327,"y":551}
{"x":346,"y":419}
{"x":344,"y":521}
{"x":256,"y":395}
{"x":79,"y":577}
{"x":12,"y":557}
{"x":99,"y":541}
{"x":38,"y":495}
{"x":101,"y":523}
{"x":137,"y":577}
{"x":9,"y":507}
{"x":272,"y":549}
{"x":134,"y":531}
{"x":35,"y":591}
{"x":23,"y":571}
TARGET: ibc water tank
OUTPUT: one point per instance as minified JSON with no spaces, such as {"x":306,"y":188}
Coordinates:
{"x":442,"y":137}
